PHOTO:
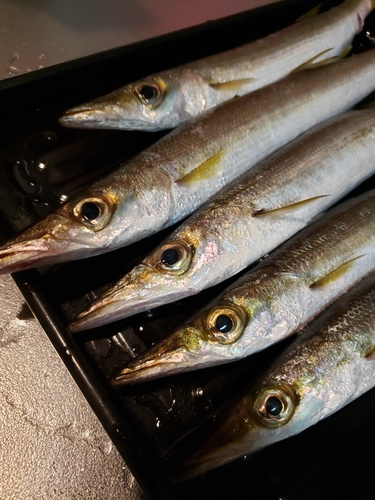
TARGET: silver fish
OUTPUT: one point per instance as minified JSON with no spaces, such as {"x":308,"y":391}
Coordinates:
{"x":273,"y":202}
{"x":328,"y":366}
{"x":272,"y":301}
{"x":169,"y":98}
{"x":179,"y":173}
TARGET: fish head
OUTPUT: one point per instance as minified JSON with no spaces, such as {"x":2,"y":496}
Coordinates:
{"x":206,"y":340}
{"x":157,"y":102}
{"x":222,"y":332}
{"x":266,"y":415}
{"x":173,"y":355}
{"x":88,"y":225}
{"x":159,"y":278}
{"x":74,"y":231}
{"x":174,"y":270}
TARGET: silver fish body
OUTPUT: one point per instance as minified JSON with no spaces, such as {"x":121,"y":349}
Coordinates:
{"x":179,"y":173}
{"x":172,"y":97}
{"x":274,"y":300}
{"x":328,"y":366}
{"x":249,"y":220}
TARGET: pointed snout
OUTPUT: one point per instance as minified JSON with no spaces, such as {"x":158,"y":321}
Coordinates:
{"x":169,"y":357}
{"x":140,"y":290}
{"x":36,"y":246}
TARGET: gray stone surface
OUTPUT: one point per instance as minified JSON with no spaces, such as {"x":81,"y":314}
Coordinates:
{"x":52,"y":445}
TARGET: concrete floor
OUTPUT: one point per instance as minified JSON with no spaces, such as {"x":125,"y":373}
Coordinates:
{"x":52,"y":445}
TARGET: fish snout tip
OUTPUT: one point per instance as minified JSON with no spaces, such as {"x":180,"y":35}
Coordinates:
{"x":80,"y":116}
{"x":18,"y":255}
{"x":114,"y":304}
{"x":169,"y":357}
{"x":77,"y":325}
{"x":88,"y":319}
{"x":195,"y":465}
{"x":104,"y":310}
{"x":137,"y":370}
{"x":147,"y":367}
{"x":100,"y":113}
{"x":125,"y":376}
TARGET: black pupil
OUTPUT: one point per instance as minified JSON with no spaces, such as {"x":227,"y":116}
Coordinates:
{"x":148,"y":92}
{"x":224,"y":323}
{"x":274,"y":406}
{"x":170,"y":256}
{"x":90,"y":211}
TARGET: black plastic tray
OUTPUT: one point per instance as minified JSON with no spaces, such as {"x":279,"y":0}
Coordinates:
{"x":40,"y":165}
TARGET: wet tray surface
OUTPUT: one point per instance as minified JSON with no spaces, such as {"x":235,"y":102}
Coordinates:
{"x":42,"y":165}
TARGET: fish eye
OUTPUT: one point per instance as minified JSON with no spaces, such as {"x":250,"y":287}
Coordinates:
{"x":151,"y":93}
{"x":148,"y":92}
{"x":90,"y":211}
{"x":275,"y":405}
{"x":226,"y":324}
{"x":174,"y":257}
{"x":94,"y":212}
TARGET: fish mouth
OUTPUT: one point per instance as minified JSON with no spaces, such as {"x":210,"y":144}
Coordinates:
{"x":97,"y":115}
{"x":46,"y":242}
{"x":108,"y":308}
{"x":148,"y":369}
{"x":103,"y":311}
{"x":23,"y":253}
{"x":228,"y":442}
{"x":118,"y":110}
{"x":133,"y":294}
{"x":169,"y":357}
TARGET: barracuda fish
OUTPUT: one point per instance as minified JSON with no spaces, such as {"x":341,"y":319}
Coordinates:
{"x":176,"y":175}
{"x":330,"y":364}
{"x":169,"y":98}
{"x":274,"y":201}
{"x":272,"y":301}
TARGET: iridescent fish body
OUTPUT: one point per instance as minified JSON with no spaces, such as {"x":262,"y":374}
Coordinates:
{"x":270,"y":204}
{"x":169,"y":98}
{"x":274,"y":300}
{"x":328,"y":366}
{"x":176,"y":175}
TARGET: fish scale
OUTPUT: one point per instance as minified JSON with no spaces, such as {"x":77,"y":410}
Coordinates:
{"x":251,"y":218}
{"x":329,"y":365}
{"x":145,"y":195}
{"x":194,"y":88}
{"x":275,"y":299}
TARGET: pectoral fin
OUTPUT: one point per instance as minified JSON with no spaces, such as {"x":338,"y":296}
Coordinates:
{"x":287,"y":208}
{"x":205,"y":170}
{"x":336,"y":274}
{"x":232,"y":85}
{"x":313,"y":63}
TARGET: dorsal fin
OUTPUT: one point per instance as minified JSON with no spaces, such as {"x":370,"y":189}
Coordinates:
{"x":205,"y":170}
{"x":232,"y":85}
{"x":310,"y":13}
{"x":335,"y":274}
{"x":287,"y":208}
